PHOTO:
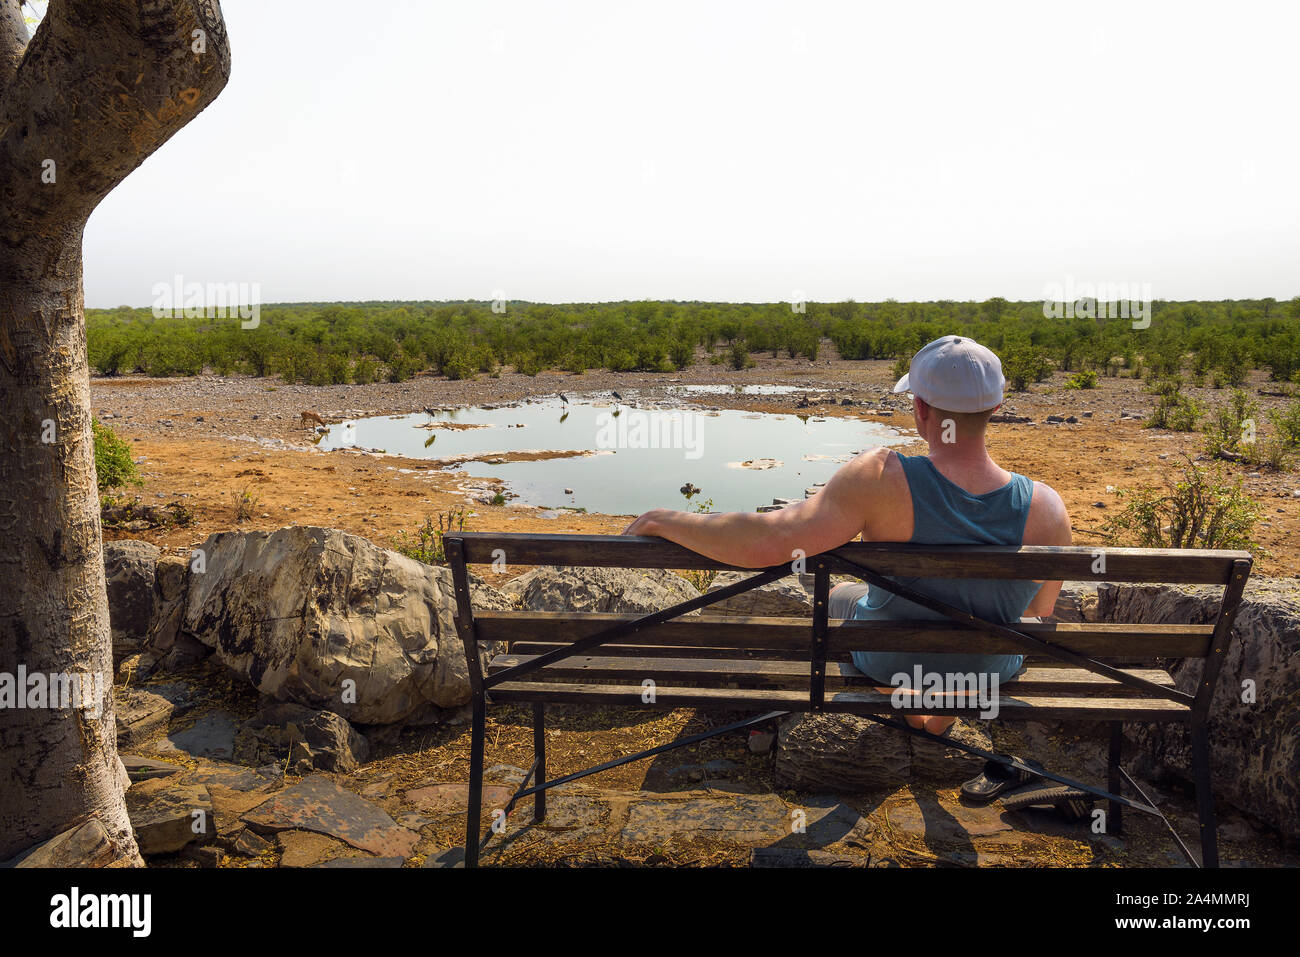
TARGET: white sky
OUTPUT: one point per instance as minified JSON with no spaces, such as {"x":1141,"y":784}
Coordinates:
{"x":563,"y":151}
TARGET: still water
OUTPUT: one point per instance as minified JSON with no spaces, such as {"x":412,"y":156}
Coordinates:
{"x":641,"y":456}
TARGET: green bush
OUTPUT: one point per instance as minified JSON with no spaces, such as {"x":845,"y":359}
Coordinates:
{"x":114,"y":467}
{"x":1199,"y":511}
{"x":1231,"y":425}
{"x":1175,"y":412}
{"x":1287,"y":423}
{"x":1024,"y":366}
{"x":425,"y":545}
{"x":1082,"y":380}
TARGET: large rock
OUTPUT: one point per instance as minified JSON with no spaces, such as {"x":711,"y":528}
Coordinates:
{"x":785,"y":597}
{"x":308,"y":740}
{"x":1255,"y":745}
{"x":167,"y":817}
{"x":626,"y":590}
{"x":326,"y":619}
{"x":166,"y":646}
{"x":847,"y":754}
{"x":1077,"y":602}
{"x":129,"y":570}
{"x":86,"y":845}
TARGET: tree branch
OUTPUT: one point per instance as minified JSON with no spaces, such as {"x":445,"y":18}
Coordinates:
{"x":13,"y":41}
{"x":102,"y":85}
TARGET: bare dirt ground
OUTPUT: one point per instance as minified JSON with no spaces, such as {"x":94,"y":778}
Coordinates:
{"x":204,"y":441}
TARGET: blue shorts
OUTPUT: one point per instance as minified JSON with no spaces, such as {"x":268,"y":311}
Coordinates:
{"x":881,"y":666}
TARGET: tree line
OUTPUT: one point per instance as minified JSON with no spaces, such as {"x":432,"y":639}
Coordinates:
{"x":334,"y":343}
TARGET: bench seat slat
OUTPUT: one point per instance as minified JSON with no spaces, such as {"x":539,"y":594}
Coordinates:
{"x":769,"y":654}
{"x":1037,"y":562}
{"x":728,"y":631}
{"x":796,"y":674}
{"x":857,"y":702}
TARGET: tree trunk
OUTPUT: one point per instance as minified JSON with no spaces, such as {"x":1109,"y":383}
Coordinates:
{"x":101,"y":85}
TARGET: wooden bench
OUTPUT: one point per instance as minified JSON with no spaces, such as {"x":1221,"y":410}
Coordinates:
{"x":772,"y":666}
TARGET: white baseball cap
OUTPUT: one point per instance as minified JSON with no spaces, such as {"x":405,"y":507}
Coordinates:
{"x":955,"y":374}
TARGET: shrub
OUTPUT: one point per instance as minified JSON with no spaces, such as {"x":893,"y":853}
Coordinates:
{"x":1082,"y":380}
{"x":1175,"y":412}
{"x":740,"y":355}
{"x":365,"y":370}
{"x":1199,"y":511}
{"x":1231,"y":424}
{"x":1287,"y":422}
{"x":529,"y":364}
{"x":114,"y":467}
{"x":246,"y":503}
{"x":425,"y":545}
{"x":1025,"y":365}
{"x":401,"y":366}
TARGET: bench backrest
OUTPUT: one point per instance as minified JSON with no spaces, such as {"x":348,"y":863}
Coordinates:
{"x":820,"y":640}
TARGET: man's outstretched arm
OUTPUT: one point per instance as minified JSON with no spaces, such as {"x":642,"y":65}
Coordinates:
{"x":830,"y":518}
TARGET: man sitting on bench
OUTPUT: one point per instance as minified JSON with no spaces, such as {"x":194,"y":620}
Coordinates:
{"x":955,"y":495}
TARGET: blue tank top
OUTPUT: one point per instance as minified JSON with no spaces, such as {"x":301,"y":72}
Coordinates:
{"x":946,"y":514}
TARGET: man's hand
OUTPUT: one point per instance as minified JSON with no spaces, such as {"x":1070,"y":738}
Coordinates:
{"x":648,"y":523}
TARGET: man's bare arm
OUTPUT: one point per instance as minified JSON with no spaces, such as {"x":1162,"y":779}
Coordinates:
{"x":1049,"y":524}
{"x":830,"y":518}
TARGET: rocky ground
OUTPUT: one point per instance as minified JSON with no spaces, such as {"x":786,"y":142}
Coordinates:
{"x":716,"y":803}
{"x":197,"y":735}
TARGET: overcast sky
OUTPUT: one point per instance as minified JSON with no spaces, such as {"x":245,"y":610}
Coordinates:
{"x":563,"y":151}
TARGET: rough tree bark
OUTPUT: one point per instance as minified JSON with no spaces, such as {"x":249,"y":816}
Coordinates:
{"x":98,"y":88}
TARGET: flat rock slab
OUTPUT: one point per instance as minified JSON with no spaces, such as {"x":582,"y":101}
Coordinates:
{"x":570,"y":819}
{"x":237,"y":777}
{"x":183,"y":696}
{"x":827,"y":820}
{"x":229,"y":806}
{"x":305,"y":849}
{"x":166,"y":817}
{"x":746,"y":819}
{"x":145,"y":769}
{"x":318,"y":804}
{"x":449,"y":798}
{"x":140,"y":715}
{"x":212,"y":736}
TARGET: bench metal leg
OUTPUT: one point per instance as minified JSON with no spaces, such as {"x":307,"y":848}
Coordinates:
{"x":474,"y":811}
{"x":1204,"y":796}
{"x":539,"y":754}
{"x":1114,"y":780}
